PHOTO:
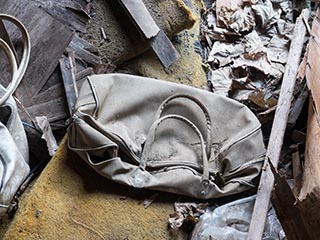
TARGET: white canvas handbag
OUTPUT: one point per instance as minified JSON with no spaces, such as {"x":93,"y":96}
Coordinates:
{"x":14,"y":153}
{"x":154,"y":134}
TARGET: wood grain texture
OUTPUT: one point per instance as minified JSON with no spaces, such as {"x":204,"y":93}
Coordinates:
{"x":278,"y":129}
{"x":49,"y":38}
{"x":309,"y":198}
{"x":67,"y":68}
{"x":313,"y":69}
{"x":70,"y":13}
{"x":156,"y":37}
{"x":287,"y":211}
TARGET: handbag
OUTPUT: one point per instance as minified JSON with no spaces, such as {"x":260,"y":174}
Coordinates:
{"x":14,"y":153}
{"x":154,"y":134}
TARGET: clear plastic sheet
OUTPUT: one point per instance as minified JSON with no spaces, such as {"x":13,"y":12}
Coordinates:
{"x":231,"y":222}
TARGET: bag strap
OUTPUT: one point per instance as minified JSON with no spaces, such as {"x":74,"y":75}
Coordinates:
{"x":202,"y":107}
{"x":16,"y":71}
{"x":151,"y":137}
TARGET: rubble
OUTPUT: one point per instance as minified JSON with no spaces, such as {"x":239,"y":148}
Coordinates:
{"x":256,"y":52}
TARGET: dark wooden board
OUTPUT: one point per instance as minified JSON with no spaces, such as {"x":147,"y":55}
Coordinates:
{"x":70,"y":13}
{"x":67,"y":66}
{"x":49,"y":38}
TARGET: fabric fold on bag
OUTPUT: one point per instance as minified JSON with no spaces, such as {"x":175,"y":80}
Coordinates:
{"x":154,"y":134}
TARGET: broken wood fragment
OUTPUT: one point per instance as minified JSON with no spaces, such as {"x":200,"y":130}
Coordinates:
{"x":313,"y":69}
{"x":297,"y":173}
{"x":47,"y":134}
{"x":103,"y":33}
{"x":70,"y":13}
{"x":69,"y":81}
{"x":164,"y":49}
{"x":288,"y":213}
{"x":157,"y":39}
{"x":298,"y":106}
{"x":309,"y":197}
{"x":48,"y":38}
{"x":278,"y":129}
{"x":84,"y":50}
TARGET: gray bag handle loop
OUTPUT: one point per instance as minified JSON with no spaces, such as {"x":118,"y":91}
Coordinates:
{"x":151,"y":136}
{"x":16,"y":71}
{"x":202,"y":107}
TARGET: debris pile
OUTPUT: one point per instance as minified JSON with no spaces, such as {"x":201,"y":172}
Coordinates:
{"x":261,"y":53}
{"x":245,"y":46}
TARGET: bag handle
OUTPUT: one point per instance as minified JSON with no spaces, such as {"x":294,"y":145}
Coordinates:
{"x":151,"y":137}
{"x":16,"y":71}
{"x":202,"y":107}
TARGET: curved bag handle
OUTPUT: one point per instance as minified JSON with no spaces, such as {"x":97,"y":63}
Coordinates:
{"x":17,"y":71}
{"x":151,"y":137}
{"x":202,"y":107}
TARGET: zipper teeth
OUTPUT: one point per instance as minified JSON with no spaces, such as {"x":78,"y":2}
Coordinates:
{"x":4,"y":172}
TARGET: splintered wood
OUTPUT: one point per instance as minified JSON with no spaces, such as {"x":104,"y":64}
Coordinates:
{"x":278,"y":129}
{"x":156,"y":37}
{"x":309,"y":198}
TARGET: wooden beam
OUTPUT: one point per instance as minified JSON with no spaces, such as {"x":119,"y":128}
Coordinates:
{"x":84,"y":50}
{"x":309,"y":198}
{"x":278,"y":129}
{"x":287,"y":211}
{"x":70,"y":13}
{"x":313,"y":69}
{"x":49,"y":38}
{"x":157,"y":39}
{"x":67,"y":67}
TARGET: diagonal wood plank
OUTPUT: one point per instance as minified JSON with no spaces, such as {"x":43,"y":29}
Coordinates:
{"x":49,"y":39}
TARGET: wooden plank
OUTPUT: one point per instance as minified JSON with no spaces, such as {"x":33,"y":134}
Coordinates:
{"x":58,"y":109}
{"x":69,"y":81}
{"x":298,"y":106}
{"x":83,"y":44}
{"x":157,"y":39}
{"x":142,"y":17}
{"x":84,"y":51}
{"x":309,"y":197}
{"x":164,"y":49}
{"x":70,"y":13}
{"x":296,"y":173}
{"x":287,"y":211}
{"x":313,"y":69}
{"x":49,"y":38}
{"x":278,"y":129}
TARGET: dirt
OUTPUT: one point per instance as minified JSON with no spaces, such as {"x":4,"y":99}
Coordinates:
{"x":187,"y":70}
{"x":123,"y":41}
{"x":71,"y":201}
